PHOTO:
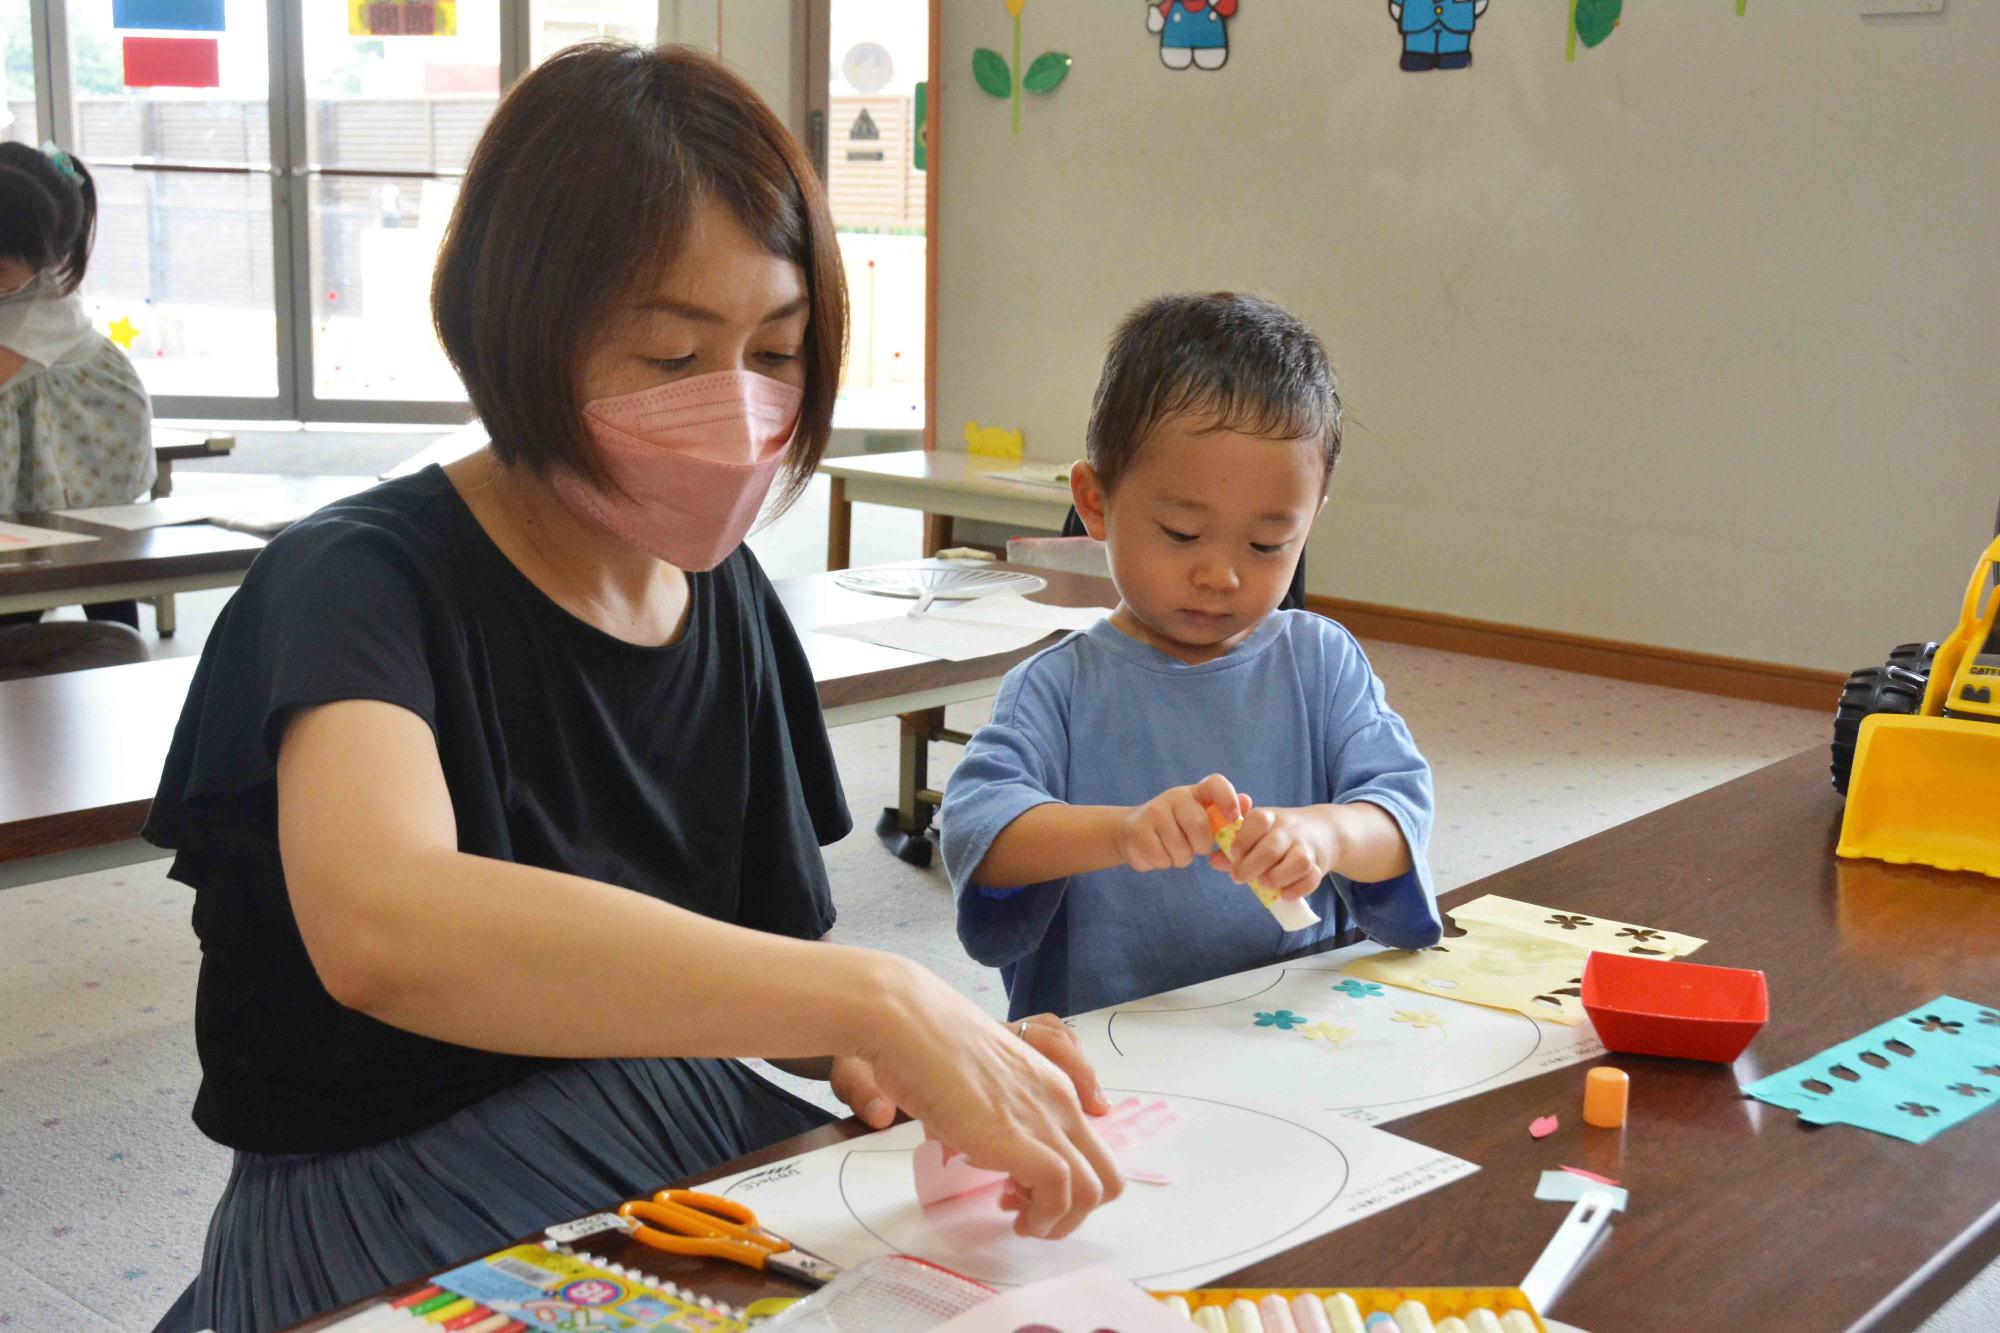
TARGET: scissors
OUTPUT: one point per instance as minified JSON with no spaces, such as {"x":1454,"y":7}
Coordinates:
{"x":689,"y":1222}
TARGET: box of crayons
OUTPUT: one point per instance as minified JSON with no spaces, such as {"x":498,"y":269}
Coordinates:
{"x":1356,"y":1309}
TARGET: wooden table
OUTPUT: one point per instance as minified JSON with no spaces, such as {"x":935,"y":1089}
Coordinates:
{"x":944,"y":484}
{"x":119,"y":564}
{"x":171,"y":446}
{"x":1740,"y":1216}
{"x":84,"y":749}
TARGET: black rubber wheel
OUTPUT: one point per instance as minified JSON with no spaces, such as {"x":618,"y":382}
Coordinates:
{"x":1895,"y":687}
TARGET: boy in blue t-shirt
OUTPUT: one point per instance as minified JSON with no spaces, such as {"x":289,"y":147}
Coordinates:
{"x":1075,"y":829}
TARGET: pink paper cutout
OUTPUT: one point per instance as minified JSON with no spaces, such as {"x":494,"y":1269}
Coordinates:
{"x":1592,"y":1175}
{"x":945,"y":1174}
{"x":1543,"y":1126}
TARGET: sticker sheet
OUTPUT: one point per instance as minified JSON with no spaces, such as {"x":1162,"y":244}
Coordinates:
{"x":1518,"y":956}
{"x":1911,"y":1078}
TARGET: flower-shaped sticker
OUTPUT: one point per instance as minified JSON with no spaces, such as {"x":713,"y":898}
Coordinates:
{"x":1418,"y":1018}
{"x":1358,"y":990}
{"x":1932,"y":1023}
{"x":1639,"y":933}
{"x":1918,"y":1109}
{"x":1334,"y":1037}
{"x":1284,"y":1020}
{"x":1568,"y":921}
{"x":1989,"y":1018}
{"x":1991,"y":1071}
{"x":1967,"y":1089}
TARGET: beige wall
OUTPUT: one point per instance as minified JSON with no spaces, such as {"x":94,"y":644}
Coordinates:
{"x":1692,"y":342}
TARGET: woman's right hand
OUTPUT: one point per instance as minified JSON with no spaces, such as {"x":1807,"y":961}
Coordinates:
{"x":992,"y":1096}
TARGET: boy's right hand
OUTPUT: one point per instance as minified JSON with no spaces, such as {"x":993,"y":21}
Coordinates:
{"x":1172,"y":829}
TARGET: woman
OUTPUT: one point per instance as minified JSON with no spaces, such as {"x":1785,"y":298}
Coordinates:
{"x":501,"y":786}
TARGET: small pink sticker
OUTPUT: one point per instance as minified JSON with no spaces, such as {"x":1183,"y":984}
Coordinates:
{"x":1544,"y":1126}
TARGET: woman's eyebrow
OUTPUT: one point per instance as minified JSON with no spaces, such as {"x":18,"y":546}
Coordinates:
{"x":701,"y":314}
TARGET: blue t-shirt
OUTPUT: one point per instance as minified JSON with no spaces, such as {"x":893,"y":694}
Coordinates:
{"x":1292,"y":716}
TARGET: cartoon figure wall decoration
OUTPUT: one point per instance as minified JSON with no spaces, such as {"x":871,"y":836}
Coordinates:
{"x":1193,"y":32}
{"x":1437,"y":34}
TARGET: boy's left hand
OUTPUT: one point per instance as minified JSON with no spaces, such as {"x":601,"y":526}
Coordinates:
{"x":1287,"y":850}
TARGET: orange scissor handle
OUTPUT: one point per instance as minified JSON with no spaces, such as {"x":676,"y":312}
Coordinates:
{"x":689,"y":1222}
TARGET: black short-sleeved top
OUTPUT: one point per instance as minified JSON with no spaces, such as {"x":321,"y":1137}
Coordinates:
{"x":698,"y":773}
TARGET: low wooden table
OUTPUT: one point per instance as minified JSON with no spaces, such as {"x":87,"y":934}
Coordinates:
{"x":945,"y":485}
{"x":118,"y":565}
{"x":84,"y":749}
{"x":1741,"y":1217}
{"x":171,"y":446}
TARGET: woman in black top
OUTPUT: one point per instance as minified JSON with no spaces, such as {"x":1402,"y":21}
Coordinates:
{"x":502,"y":787}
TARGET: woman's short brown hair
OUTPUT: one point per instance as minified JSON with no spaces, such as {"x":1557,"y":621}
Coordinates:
{"x":582,"y":191}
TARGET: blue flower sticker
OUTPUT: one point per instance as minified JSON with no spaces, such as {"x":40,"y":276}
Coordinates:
{"x":1284,"y":1020}
{"x":1359,"y":990}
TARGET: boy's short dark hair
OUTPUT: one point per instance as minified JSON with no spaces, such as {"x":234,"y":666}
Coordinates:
{"x":1240,"y":362}
{"x":580,"y":194}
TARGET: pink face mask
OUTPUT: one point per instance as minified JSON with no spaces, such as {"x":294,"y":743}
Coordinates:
{"x":694,"y":460}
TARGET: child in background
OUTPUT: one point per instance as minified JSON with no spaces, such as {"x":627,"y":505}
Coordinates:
{"x":75,"y":423}
{"x":1075,"y":830}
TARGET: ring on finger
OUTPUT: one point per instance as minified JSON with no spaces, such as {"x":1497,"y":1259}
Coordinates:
{"x":1022,"y":1031}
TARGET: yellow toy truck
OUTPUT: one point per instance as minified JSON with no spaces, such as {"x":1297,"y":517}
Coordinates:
{"x":1916,"y":747}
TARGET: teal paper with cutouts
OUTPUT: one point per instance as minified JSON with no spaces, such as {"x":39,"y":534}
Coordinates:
{"x":1912,"y":1077}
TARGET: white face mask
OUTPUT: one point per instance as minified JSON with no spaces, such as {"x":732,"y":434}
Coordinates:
{"x":27,"y":291}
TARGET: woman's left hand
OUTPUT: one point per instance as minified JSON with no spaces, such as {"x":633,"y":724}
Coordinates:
{"x":854,"y":1082}
{"x":1051,"y":1036}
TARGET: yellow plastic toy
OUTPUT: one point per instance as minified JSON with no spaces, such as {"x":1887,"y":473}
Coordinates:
{"x":1921,"y":738}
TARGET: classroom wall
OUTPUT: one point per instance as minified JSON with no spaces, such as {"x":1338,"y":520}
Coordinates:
{"x":1691,"y":342}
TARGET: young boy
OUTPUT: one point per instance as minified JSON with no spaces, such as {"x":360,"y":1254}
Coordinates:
{"x":1075,"y":829}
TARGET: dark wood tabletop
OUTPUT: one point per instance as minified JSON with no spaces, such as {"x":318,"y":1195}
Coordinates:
{"x":84,"y":749}
{"x":1740,"y":1217}
{"x":186,"y":550}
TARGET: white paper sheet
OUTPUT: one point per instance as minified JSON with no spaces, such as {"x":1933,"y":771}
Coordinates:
{"x":151,"y":513}
{"x":20,"y":537}
{"x":1247,"y":1184}
{"x":935,"y":636}
{"x":1303,"y":1034}
{"x":1010,"y":608}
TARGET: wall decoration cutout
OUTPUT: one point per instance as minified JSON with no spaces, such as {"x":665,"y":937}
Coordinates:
{"x":998,"y":77}
{"x":402,"y":18}
{"x":1592,"y":21}
{"x":1192,"y":32}
{"x":172,"y":62}
{"x":168,"y":15}
{"x":1437,"y":34}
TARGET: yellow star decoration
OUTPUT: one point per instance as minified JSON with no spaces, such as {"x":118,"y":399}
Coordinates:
{"x":124,"y":332}
{"x":1334,"y":1037}
{"x":1419,"y":1018}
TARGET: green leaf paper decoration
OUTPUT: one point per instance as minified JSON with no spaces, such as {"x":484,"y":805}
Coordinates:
{"x":1047,"y":72}
{"x":990,"y":72}
{"x":1596,"y":18}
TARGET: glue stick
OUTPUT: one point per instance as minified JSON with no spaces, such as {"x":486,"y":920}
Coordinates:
{"x":1291,"y":913}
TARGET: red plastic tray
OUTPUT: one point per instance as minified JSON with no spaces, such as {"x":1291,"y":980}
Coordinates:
{"x":1658,"y":1006}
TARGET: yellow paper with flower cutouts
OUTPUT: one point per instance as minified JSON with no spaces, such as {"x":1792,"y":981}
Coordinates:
{"x":1515,"y":955}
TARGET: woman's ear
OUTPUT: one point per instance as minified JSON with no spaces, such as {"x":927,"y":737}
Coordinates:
{"x":1086,"y":491}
